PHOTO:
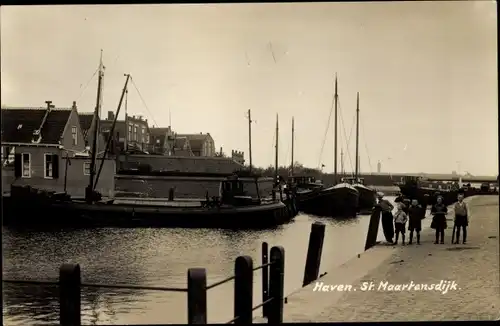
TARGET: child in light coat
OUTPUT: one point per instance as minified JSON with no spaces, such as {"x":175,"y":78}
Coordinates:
{"x":400,"y":219}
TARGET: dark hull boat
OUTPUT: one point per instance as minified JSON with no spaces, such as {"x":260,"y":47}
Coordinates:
{"x":244,"y":213}
{"x":345,"y":200}
{"x":367,"y":198}
{"x":320,"y":202}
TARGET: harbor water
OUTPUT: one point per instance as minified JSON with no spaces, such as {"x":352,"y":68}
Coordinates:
{"x":156,"y":257}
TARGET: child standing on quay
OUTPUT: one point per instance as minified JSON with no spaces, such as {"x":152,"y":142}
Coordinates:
{"x":400,"y":219}
{"x":439,"y":211}
{"x":461,"y":219}
{"x":415,"y":213}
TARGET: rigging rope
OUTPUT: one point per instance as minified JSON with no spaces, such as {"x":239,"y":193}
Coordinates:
{"x":91,"y":78}
{"x":87,"y":85}
{"x":326,"y":132}
{"x":345,"y":135}
{"x":143,"y":102}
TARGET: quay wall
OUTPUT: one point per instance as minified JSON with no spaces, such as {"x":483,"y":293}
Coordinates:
{"x":184,"y":187}
{"x":179,"y":163}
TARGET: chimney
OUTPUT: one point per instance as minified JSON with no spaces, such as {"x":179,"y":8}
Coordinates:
{"x":49,"y":105}
{"x":111,"y":115}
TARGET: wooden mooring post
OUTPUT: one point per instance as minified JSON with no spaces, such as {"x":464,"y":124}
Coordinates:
{"x":276,"y":285}
{"x":314,"y":250}
{"x":371,"y":235}
{"x":70,"y":295}
{"x":243,"y":290}
{"x":265,"y":278}
{"x":197,"y":296}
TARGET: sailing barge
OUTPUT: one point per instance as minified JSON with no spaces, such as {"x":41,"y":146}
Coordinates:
{"x":232,"y":209}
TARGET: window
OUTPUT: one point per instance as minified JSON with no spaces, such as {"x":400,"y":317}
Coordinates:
{"x":129,"y":132}
{"x":26,"y":165}
{"x":74,"y":135}
{"x":135,"y":133}
{"x":86,"y":168}
{"x":48,"y":166}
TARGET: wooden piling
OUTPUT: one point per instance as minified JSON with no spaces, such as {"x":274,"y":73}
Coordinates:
{"x":243,"y":290}
{"x":313,"y":259}
{"x":371,"y":235}
{"x":70,"y":295}
{"x":276,"y":285}
{"x":265,"y":278}
{"x":197,"y":296}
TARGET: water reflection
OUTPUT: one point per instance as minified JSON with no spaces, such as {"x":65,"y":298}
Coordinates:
{"x":155,"y":257}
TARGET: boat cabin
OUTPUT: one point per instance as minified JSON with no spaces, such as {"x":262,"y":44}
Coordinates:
{"x":353,"y":180}
{"x":413,"y":181}
{"x":231,"y":192}
{"x":305,"y":182}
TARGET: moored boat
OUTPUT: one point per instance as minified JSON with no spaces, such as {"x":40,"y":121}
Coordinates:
{"x":312,"y":197}
{"x":367,"y":196}
{"x":345,"y":200}
{"x":233,"y":210}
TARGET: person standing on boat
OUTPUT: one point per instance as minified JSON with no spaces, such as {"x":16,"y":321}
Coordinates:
{"x":461,"y":219}
{"x":387,"y":218}
{"x":439,"y":211}
{"x":416,"y":214}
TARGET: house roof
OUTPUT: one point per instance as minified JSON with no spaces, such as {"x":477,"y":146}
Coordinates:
{"x":85,"y":121}
{"x":156,"y":132}
{"x":196,"y":141}
{"x":18,"y":124}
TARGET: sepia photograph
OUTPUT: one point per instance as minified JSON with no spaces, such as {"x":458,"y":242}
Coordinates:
{"x":281,"y":162}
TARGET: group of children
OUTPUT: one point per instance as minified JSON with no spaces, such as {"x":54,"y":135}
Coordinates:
{"x":413,"y":213}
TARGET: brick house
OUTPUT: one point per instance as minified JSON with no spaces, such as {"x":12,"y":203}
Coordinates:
{"x":48,"y":150}
{"x":132,"y":133}
{"x":161,"y":140}
{"x":199,"y":144}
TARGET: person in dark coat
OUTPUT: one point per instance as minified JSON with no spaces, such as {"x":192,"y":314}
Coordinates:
{"x":415,"y":213}
{"x":439,"y":211}
{"x":387,"y":218}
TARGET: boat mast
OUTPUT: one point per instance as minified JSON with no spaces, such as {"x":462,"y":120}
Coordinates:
{"x":250,"y":139}
{"x":126,"y":121}
{"x":276,"y":152}
{"x":112,"y":131}
{"x":356,"y":173}
{"x":95,"y":131}
{"x":335,"y":134}
{"x":342,"y":162}
{"x":293,"y":137}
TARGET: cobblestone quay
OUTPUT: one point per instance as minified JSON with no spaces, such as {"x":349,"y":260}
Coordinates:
{"x":387,"y":283}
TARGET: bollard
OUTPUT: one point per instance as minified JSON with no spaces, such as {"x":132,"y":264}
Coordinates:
{"x":69,"y":295}
{"x":276,"y":285}
{"x":197,"y":296}
{"x":313,"y":259}
{"x":171,"y":194}
{"x":371,"y":236}
{"x":265,"y":278}
{"x":243,"y":290}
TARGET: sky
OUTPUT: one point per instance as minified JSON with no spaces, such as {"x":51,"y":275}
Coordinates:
{"x":426,"y":73}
